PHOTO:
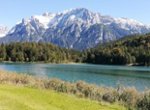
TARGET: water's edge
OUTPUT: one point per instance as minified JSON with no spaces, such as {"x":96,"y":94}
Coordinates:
{"x":103,"y":75}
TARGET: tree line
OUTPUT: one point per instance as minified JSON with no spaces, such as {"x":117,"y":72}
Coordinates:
{"x":34,"y":52}
{"x":134,"y":50}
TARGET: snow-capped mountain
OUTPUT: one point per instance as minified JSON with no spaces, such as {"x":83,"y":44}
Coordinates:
{"x":3,"y":31}
{"x":76,"y":28}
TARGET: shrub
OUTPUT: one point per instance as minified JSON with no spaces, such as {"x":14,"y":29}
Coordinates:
{"x":129,"y":97}
{"x":110,"y":96}
{"x":143,"y":103}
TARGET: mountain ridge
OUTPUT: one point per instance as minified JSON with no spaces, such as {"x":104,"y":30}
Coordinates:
{"x":76,"y":28}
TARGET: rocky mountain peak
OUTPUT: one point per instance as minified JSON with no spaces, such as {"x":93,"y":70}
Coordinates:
{"x":76,"y":28}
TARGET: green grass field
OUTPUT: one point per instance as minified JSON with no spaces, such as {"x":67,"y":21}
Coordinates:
{"x":24,"y":98}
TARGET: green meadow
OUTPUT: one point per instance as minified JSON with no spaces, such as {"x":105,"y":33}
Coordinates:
{"x":25,"y":98}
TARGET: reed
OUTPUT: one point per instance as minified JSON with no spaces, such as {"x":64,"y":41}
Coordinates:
{"x":128,"y":97}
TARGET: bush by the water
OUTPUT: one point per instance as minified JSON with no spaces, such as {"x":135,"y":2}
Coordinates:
{"x":143,"y":102}
{"x":128,"y":97}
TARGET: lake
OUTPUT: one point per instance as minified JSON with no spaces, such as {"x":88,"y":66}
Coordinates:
{"x":102,"y":75}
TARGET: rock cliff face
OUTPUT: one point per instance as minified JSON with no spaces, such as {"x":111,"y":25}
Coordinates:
{"x":77,"y":28}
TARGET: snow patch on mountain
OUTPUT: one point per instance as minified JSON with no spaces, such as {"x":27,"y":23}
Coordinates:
{"x":75,"y":28}
{"x":3,"y":31}
{"x":44,"y":19}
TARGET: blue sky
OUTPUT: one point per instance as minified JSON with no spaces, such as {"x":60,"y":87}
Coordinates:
{"x":12,"y":11}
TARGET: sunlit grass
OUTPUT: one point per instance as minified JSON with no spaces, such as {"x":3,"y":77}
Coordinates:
{"x":24,"y":98}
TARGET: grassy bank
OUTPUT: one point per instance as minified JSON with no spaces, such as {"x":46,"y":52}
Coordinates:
{"x":25,"y":98}
{"x":128,"y":97}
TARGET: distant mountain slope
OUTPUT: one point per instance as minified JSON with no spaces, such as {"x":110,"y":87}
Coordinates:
{"x":77,"y":28}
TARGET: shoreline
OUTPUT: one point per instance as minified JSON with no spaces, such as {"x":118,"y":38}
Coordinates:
{"x":79,"y":89}
{"x":42,"y":62}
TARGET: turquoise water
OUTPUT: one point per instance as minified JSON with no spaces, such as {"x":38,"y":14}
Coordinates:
{"x":103,"y":75}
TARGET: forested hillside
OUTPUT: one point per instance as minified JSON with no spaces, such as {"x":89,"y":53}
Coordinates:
{"x":33,"y":52}
{"x":134,"y":50}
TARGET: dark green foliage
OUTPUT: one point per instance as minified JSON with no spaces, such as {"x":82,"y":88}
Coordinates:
{"x":2,"y":53}
{"x":143,"y":102}
{"x":33,"y":52}
{"x":133,"y":50}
